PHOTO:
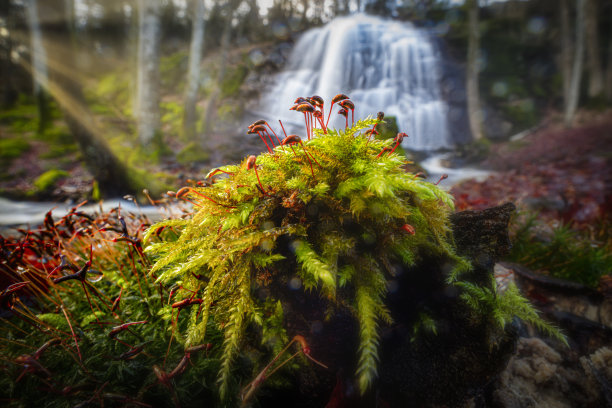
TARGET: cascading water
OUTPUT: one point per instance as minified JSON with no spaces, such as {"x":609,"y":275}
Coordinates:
{"x":381,"y":64}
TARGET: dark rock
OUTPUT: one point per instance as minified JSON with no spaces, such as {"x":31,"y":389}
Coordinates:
{"x":442,"y":369}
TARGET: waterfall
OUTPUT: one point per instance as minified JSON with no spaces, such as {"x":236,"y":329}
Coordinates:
{"x":382,"y":65}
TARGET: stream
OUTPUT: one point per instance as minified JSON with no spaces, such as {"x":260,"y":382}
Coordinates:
{"x":435,"y":168}
{"x":14,"y":214}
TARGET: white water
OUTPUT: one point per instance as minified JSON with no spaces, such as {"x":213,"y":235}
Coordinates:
{"x":435,"y":168}
{"x":381,"y":64}
{"x":15,"y":213}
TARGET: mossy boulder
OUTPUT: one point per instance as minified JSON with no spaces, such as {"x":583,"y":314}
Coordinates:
{"x":46,"y":181}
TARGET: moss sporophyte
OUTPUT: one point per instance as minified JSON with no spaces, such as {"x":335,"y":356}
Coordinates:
{"x":290,"y":215}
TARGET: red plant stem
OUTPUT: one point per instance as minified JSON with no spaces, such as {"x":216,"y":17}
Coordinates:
{"x":281,"y":123}
{"x":308,"y":157}
{"x":371,"y":133}
{"x":310,"y":125}
{"x":385,"y":149}
{"x":270,"y":137}
{"x":442,"y":177}
{"x":277,"y":139}
{"x":395,"y":147}
{"x":266,"y":143}
{"x":135,"y":270}
{"x":329,"y":115}
{"x":306,"y":121}
{"x":259,"y":181}
{"x":89,"y":301}
{"x":210,"y":199}
{"x":73,"y":335}
{"x":322,"y":124}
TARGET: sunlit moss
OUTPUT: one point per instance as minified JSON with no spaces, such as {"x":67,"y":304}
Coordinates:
{"x":48,"y":179}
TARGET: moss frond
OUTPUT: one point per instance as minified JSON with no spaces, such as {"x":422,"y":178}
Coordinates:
{"x":502,"y":307}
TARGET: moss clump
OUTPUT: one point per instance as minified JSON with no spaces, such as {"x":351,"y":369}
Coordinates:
{"x":13,"y":148}
{"x":46,"y":181}
{"x":334,"y":213}
{"x":347,"y":214}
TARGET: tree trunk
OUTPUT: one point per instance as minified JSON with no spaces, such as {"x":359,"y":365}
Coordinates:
{"x":193,"y":75}
{"x":609,"y":65}
{"x":38,"y":57}
{"x":147,"y":99}
{"x":566,"y":50}
{"x":473,"y":99}
{"x":574,"y":91}
{"x":232,"y":5}
{"x":107,"y":170}
{"x":596,"y":77}
{"x":7,"y":87}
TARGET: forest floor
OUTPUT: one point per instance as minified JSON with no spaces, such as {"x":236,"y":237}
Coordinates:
{"x":560,"y":173}
{"x":561,"y":177}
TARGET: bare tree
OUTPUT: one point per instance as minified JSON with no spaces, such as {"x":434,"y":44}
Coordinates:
{"x":193,"y":75}
{"x":567,"y":47}
{"x":596,"y":76}
{"x":472,"y":70}
{"x":7,"y":86}
{"x":38,"y":59}
{"x":609,"y":67}
{"x":147,"y":83}
{"x":231,"y":7}
{"x":66,"y":88}
{"x":576,"y":75}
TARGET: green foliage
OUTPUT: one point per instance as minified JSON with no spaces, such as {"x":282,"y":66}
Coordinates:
{"x":561,"y":251}
{"x":13,"y":148}
{"x":172,"y":114}
{"x":349,"y":198}
{"x":172,"y":69}
{"x":233,"y":80}
{"x":112,"y":94}
{"x":95,"y":191}
{"x":91,"y":367}
{"x":47,"y":180}
{"x":502,"y":307}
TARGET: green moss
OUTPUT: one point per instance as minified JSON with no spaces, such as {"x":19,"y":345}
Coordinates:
{"x":233,"y":79}
{"x":13,"y":148}
{"x":46,"y":181}
{"x":95,"y":191}
{"x":355,"y":193}
{"x":172,"y":70}
{"x":192,"y":153}
{"x":112,"y":94}
{"x":172,"y":114}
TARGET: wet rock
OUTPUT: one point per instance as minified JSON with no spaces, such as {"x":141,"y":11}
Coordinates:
{"x":542,"y":376}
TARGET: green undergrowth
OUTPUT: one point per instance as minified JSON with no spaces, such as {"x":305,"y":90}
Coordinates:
{"x":561,"y":251}
{"x":56,"y":337}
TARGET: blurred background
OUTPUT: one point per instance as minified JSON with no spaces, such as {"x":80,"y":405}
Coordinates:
{"x":512,"y":100}
{"x":105,"y":98}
